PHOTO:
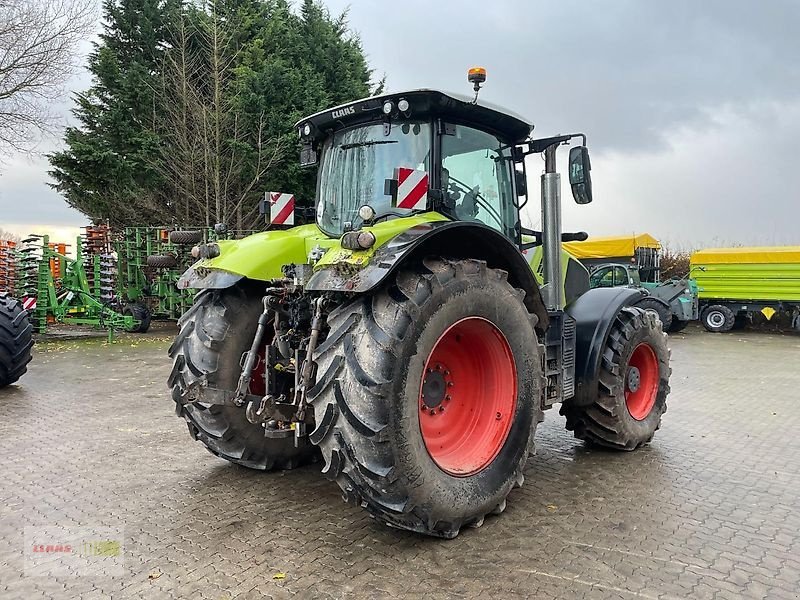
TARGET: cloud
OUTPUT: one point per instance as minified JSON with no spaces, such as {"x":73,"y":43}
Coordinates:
{"x":690,"y":107}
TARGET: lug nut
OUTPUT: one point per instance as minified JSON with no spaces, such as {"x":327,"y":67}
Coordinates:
{"x":433,"y":412}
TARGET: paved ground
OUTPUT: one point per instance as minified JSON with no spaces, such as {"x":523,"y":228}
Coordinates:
{"x":709,"y":510}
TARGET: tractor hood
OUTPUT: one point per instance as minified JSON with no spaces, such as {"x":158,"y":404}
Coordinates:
{"x":262,"y":255}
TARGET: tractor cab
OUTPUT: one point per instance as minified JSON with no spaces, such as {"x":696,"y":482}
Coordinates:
{"x":400,"y":154}
{"x":427,"y":151}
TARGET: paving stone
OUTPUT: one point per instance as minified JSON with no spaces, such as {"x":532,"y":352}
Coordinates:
{"x":708,"y":510}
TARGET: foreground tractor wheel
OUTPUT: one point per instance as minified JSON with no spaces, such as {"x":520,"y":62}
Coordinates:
{"x":428,"y":395}
{"x":633,"y":385}
{"x":185,"y":237}
{"x":660,"y":309}
{"x":16,"y":340}
{"x":141,"y":313}
{"x":718,"y":318}
{"x":213,"y":335}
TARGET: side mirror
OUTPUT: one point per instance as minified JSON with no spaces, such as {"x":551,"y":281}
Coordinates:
{"x":580,"y":177}
{"x":521,"y":184}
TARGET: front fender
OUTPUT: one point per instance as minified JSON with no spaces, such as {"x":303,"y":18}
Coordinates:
{"x":451,"y":239}
{"x":594,"y":313}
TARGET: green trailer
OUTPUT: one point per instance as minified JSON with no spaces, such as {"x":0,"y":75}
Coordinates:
{"x":735,"y":283}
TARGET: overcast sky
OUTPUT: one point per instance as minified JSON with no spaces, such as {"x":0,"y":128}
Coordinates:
{"x":692,"y":108}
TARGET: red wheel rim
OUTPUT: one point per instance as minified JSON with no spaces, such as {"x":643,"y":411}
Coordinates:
{"x":641,"y":381}
{"x":468,"y":397}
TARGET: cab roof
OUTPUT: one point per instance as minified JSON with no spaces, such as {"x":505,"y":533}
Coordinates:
{"x":424,"y":103}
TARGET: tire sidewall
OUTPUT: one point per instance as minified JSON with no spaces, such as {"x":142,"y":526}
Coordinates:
{"x":498,"y":303}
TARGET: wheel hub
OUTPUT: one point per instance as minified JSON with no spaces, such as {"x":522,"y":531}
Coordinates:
{"x":641,"y":381}
{"x":434,"y":387}
{"x":634,"y":379}
{"x":716,"y":319}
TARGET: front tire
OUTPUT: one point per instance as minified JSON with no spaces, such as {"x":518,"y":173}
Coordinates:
{"x":632,"y":387}
{"x":397,"y":376}
{"x":213,"y":335}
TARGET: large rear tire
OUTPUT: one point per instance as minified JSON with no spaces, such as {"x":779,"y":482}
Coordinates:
{"x":632,"y":387}
{"x":213,"y":335}
{"x":428,"y":396}
{"x":16,"y":340}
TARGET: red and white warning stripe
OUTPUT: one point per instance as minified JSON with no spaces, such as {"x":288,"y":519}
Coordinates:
{"x":281,"y":208}
{"x":412,"y":188}
{"x":29,"y":303}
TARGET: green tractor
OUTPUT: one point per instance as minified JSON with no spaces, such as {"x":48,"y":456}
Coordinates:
{"x":405,"y":335}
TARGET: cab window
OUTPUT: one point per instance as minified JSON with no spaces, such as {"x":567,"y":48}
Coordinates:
{"x":477,"y":178}
{"x":615,"y":276}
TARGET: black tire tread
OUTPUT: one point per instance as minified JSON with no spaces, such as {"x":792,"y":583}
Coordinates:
{"x":664,"y":312}
{"x":224,"y":430}
{"x":16,"y":340}
{"x":162,"y":261}
{"x":730,"y":318}
{"x":358,"y":455}
{"x":142,"y":314}
{"x":600,"y":422}
{"x":185,"y":237}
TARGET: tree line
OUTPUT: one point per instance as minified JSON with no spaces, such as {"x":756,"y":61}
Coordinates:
{"x":189,"y":119}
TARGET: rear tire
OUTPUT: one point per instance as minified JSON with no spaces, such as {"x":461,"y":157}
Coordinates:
{"x":660,"y":309}
{"x":632,"y":387}
{"x":718,"y":318}
{"x":375,"y":428}
{"x":16,"y":340}
{"x":141,"y":313}
{"x":213,"y":335}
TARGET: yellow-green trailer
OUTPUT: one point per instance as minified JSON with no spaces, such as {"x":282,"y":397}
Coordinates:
{"x":734,"y":283}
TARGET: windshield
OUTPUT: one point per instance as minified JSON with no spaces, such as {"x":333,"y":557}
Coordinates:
{"x":355,"y":166}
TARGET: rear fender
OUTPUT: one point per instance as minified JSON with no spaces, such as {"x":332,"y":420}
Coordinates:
{"x":450,"y":239}
{"x":594,"y":313}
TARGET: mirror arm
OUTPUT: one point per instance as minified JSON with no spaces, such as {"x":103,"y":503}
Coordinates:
{"x":540,"y":145}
